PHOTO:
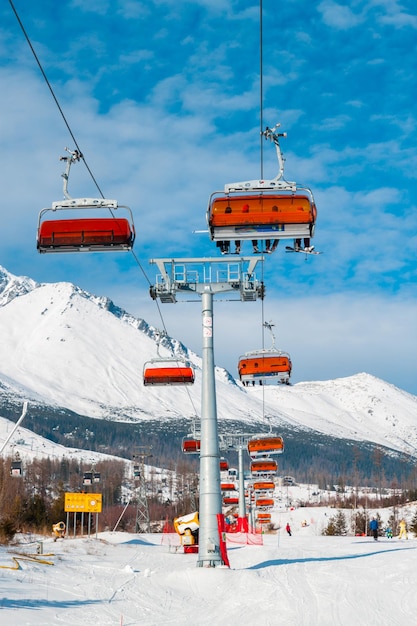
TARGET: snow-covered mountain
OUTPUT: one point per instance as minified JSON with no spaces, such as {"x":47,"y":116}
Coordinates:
{"x":62,"y":346}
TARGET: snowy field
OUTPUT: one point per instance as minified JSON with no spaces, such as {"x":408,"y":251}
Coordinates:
{"x":125,"y":580}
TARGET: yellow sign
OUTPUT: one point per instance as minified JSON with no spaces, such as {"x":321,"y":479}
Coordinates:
{"x":82,"y":502}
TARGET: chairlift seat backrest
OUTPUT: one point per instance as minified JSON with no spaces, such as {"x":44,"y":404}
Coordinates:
{"x":261,"y":216}
{"x":191,"y":446}
{"x":264,"y":365}
{"x":85,"y":234}
{"x":263,"y":467}
{"x":261,"y":208}
{"x":265,"y":446}
{"x":168,"y":374}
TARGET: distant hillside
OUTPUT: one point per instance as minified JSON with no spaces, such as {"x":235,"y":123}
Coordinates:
{"x":78,"y":359}
{"x":308,"y":455}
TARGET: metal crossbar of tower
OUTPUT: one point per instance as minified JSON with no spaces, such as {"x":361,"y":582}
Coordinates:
{"x":142,"y":523}
{"x":206,"y":278}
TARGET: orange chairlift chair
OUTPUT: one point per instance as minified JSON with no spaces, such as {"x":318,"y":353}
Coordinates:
{"x":265,"y":365}
{"x":265,"y":446}
{"x":268,"y":210}
{"x":263,"y":487}
{"x":263,"y":467}
{"x":167,"y":371}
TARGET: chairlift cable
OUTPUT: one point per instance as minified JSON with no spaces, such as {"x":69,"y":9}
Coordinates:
{"x":53,"y":95}
{"x":139,"y":264}
{"x":69,"y":128}
{"x":261,"y":88}
{"x":261,"y":136}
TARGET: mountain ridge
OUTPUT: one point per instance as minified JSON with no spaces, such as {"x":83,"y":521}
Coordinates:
{"x":65,"y":348}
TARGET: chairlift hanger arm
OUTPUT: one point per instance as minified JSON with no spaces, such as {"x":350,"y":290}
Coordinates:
{"x":272,"y":135}
{"x":70,"y":202}
{"x":277,"y":183}
{"x":74,"y":155}
{"x":269,"y":326}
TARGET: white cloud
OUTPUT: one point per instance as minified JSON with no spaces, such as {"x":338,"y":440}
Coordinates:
{"x":338,"y":16}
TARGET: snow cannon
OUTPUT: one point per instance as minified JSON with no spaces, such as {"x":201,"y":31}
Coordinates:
{"x":187,"y":526}
{"x":58,"y":530}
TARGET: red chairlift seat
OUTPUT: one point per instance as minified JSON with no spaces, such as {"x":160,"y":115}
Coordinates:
{"x":265,"y":365}
{"x":227,"y":486}
{"x":224,"y":465}
{"x":85,"y":234}
{"x":191,"y":446}
{"x":168,"y":372}
{"x":262,"y":214}
{"x":229,"y":500}
{"x":265,"y":446}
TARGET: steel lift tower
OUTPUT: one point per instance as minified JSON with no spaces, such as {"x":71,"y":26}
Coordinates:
{"x":239,"y":443}
{"x":142,"y":523}
{"x":208,"y":277}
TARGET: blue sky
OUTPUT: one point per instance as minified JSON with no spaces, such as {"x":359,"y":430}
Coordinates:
{"x":163,"y":98}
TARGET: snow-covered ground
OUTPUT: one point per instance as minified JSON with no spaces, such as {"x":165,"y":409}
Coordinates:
{"x":140,"y":580}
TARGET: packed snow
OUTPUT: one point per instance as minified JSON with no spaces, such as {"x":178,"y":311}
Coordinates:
{"x":306,"y":579}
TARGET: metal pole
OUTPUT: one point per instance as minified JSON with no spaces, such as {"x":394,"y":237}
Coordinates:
{"x":122,"y":513}
{"x":210,"y":494}
{"x":15,"y":427}
{"x":242,"y":506}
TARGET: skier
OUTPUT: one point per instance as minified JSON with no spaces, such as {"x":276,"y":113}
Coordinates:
{"x":388,"y":533}
{"x":403,"y":529}
{"x":288,"y":529}
{"x":307,"y":246}
{"x":269,"y":249}
{"x":373,"y":525}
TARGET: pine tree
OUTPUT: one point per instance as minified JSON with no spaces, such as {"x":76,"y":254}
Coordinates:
{"x":330,"y":529}
{"x":360,"y":523}
{"x":413,"y":524}
{"x":340,"y":523}
{"x":337,"y":525}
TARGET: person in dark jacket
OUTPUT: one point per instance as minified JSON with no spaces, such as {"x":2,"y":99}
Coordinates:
{"x":373,"y":525}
